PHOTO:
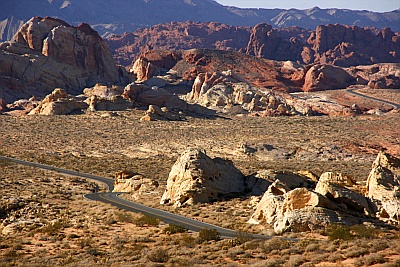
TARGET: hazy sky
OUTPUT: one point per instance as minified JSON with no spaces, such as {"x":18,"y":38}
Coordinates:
{"x":373,"y":5}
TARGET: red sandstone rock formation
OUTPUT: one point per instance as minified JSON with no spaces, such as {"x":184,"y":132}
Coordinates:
{"x":329,"y":44}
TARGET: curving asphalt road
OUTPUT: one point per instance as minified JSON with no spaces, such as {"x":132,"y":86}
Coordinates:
{"x":394,"y":105}
{"x":113,"y":199}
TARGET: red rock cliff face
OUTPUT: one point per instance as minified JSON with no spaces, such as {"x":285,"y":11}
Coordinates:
{"x":348,"y":46}
{"x":178,"y":36}
{"x":330,"y":44}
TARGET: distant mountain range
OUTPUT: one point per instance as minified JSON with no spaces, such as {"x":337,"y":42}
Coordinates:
{"x":119,"y":16}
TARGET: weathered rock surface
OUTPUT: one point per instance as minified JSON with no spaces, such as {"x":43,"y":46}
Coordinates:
{"x":155,"y":113}
{"x":47,"y":53}
{"x":383,"y":186}
{"x":112,"y":103}
{"x":326,"y":77}
{"x":133,"y":183}
{"x":195,"y":177}
{"x":143,"y":95}
{"x":3,"y":106}
{"x":334,"y":199}
{"x":58,"y":103}
{"x":330,"y":187}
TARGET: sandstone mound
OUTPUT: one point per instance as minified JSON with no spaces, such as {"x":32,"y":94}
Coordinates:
{"x":47,"y":53}
{"x":133,"y":183}
{"x":195,"y":177}
{"x":58,"y":103}
{"x":155,"y":113}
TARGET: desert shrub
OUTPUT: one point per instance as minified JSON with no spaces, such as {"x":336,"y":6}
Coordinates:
{"x":339,"y":232}
{"x":241,"y":238}
{"x":312,"y":247}
{"x":158,"y":255}
{"x":373,"y":258}
{"x":335,"y":257}
{"x":276,"y":244}
{"x":124,"y":217}
{"x":147,"y":220}
{"x":209,"y":234}
{"x":188,"y":241}
{"x":93,"y":252}
{"x":355,"y":252}
{"x":84,"y":242}
{"x":362,"y":231}
{"x":53,"y":228}
{"x":294,"y":261}
{"x":320,"y":258}
{"x":378,"y":245}
{"x":173,"y":229}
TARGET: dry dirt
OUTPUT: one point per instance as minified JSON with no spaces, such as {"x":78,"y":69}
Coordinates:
{"x":60,"y":228}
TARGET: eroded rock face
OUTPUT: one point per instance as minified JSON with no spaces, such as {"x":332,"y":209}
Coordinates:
{"x":58,"y":103}
{"x":195,"y":177}
{"x":330,"y":187}
{"x":47,"y":53}
{"x":383,"y":186}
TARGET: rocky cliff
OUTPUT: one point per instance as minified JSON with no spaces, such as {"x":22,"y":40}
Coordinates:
{"x":337,"y":44}
{"x":47,"y":53}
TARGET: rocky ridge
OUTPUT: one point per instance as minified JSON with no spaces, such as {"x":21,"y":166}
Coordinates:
{"x":335,"y":44}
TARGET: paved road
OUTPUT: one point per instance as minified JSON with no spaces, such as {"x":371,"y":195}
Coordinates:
{"x":394,"y":105}
{"x":113,"y":199}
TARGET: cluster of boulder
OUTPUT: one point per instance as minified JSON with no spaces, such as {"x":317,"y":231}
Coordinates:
{"x":290,"y":201}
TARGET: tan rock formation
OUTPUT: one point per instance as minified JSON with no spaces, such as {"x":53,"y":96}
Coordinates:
{"x":270,"y":205}
{"x":143,"y":95}
{"x":58,"y":103}
{"x":104,"y":91}
{"x":195,"y":177}
{"x":338,"y":178}
{"x":155,"y":113}
{"x":383,"y":186}
{"x":111,"y":103}
{"x":329,"y":186}
{"x":47,"y":53}
{"x":133,"y":183}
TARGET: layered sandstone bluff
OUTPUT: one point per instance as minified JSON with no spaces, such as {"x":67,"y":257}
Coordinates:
{"x":47,"y":53}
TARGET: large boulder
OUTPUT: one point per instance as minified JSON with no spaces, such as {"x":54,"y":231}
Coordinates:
{"x":383,"y":186}
{"x":326,"y":77}
{"x":195,"y":177}
{"x":58,"y":103}
{"x":155,"y":113}
{"x":47,"y":53}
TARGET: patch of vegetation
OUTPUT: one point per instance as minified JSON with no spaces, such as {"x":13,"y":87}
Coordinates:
{"x":209,"y":234}
{"x":174,"y":229}
{"x":146,"y":220}
{"x":158,"y":255}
